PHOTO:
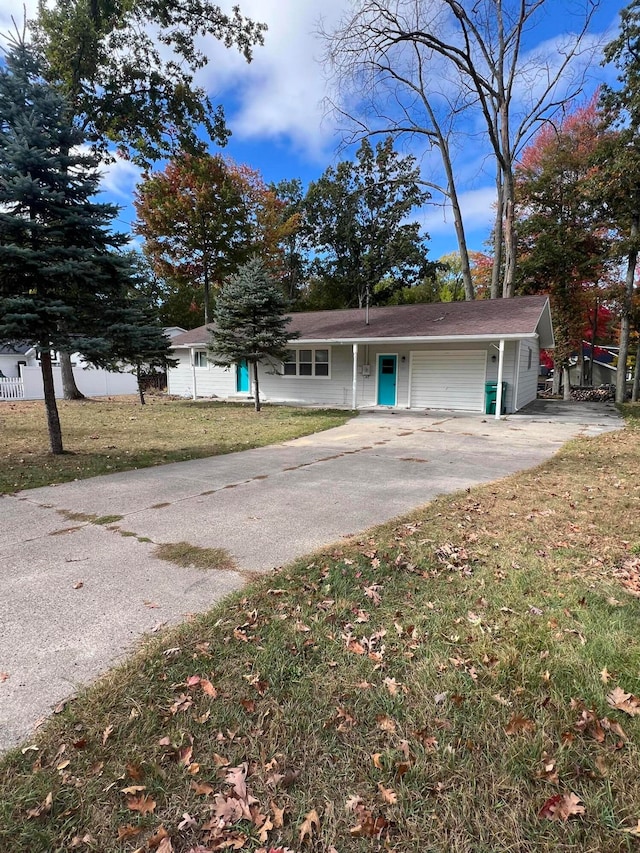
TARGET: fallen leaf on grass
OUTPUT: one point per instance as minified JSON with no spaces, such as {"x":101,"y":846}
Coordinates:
{"x":182,"y":703}
{"x":590,"y":725}
{"x":165,"y":846}
{"x":42,"y":808}
{"x":634,"y":830}
{"x":278,"y":814}
{"x":385,"y":723}
{"x":159,"y":836}
{"x":310,"y":824}
{"x":265,"y":829}
{"x":518,"y":724}
{"x":106,"y":734}
{"x":128,"y":831}
{"x":562,"y":807}
{"x":133,"y":789}
{"x":208,"y":688}
{"x":622,"y":701}
{"x":392,"y":686}
{"x":369,"y":826}
{"x":388,"y":795}
{"x":202,"y":789}
{"x":187,"y":822}
{"x":548,"y":772}
{"x":144,"y":805}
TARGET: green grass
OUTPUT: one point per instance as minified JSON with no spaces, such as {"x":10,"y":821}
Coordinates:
{"x":184,"y":554}
{"x":434,"y":683}
{"x":103,"y":436}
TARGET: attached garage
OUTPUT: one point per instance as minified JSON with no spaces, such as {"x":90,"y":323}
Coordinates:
{"x":448,"y":379}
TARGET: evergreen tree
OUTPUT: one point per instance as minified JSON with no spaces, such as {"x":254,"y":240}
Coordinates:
{"x":134,"y":342}
{"x":60,"y":270}
{"x":249,"y":321}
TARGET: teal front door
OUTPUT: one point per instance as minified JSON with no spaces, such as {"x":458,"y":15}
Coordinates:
{"x":242,"y":377}
{"x":387,"y":379}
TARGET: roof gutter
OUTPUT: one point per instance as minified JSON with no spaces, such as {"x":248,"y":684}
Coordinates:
{"x":416,"y":339}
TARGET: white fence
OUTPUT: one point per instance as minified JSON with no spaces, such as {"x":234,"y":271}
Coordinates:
{"x":92,"y":383}
{"x":11,"y":389}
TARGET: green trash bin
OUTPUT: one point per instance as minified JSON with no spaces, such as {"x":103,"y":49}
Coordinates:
{"x":491,"y":397}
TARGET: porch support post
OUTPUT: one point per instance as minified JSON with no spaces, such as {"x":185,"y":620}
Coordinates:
{"x":354,"y":381}
{"x":193,"y":372}
{"x":500,"y":373}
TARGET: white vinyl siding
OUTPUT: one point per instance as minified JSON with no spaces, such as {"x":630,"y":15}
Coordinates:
{"x":448,"y":379}
{"x":528,"y":366}
{"x":337,"y":390}
{"x":211,"y":382}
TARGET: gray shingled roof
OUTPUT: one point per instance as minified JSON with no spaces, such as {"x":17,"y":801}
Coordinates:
{"x":519,"y":317}
{"x":15,"y":348}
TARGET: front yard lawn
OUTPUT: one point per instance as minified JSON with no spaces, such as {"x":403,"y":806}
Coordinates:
{"x":463,"y":680}
{"x":103,"y":436}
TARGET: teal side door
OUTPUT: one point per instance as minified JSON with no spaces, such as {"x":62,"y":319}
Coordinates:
{"x":242,"y":377}
{"x":387,"y":379}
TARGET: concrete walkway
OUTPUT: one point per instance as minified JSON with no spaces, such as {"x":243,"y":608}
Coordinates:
{"x":76,"y":595}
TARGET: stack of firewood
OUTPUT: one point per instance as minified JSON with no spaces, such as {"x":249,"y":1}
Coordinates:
{"x":593,"y":395}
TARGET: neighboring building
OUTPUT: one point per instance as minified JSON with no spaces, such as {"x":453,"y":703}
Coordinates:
{"x":602,"y":371}
{"x":21,"y":377}
{"x":426,"y":356}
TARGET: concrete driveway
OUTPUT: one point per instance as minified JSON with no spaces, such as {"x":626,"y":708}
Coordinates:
{"x":76,"y":595}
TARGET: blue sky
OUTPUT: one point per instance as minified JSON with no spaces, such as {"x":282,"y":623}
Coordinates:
{"x":280,"y":126}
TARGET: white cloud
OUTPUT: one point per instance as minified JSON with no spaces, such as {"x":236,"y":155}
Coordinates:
{"x":119,"y":178}
{"x":280,"y":92}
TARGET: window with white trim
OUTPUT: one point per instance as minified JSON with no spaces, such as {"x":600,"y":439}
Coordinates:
{"x":200,"y":359}
{"x":307,"y":362}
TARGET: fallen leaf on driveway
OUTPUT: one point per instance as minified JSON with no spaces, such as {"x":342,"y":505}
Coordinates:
{"x":3,"y":676}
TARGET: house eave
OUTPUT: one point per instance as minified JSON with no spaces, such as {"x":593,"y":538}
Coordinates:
{"x":403,"y":339}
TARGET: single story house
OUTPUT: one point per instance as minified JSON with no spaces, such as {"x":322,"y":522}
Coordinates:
{"x":426,"y":356}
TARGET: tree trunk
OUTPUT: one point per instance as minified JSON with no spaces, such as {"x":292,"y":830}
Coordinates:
{"x":594,"y":333}
{"x":509,"y":280}
{"x":555,"y":385}
{"x":51,"y":407}
{"x":452,"y":194}
{"x":140,"y":391}
{"x":566,"y":383}
{"x":498,"y":239}
{"x":627,"y":306}
{"x":69,"y":388}
{"x":635,"y":389}
{"x":580,"y":367}
{"x":256,"y":390}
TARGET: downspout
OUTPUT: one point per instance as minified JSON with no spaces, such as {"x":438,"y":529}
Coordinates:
{"x":354,"y":381}
{"x":500,"y":374}
{"x":193,"y":372}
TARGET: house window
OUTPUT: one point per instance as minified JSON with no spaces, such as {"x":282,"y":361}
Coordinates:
{"x":200,"y":359}
{"x":306,"y":362}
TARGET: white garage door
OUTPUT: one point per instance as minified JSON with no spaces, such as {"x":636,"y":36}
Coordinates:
{"x":448,"y":379}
